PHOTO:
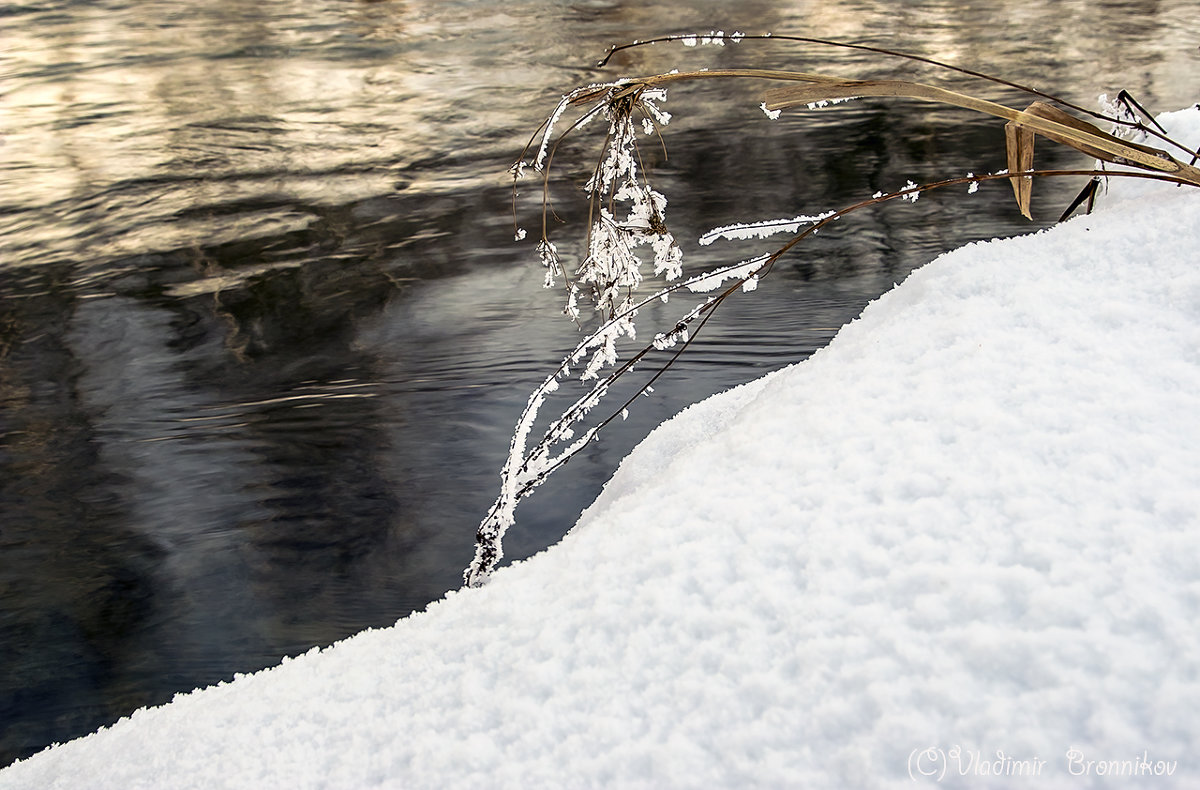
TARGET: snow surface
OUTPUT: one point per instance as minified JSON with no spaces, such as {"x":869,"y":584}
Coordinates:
{"x":970,"y":521}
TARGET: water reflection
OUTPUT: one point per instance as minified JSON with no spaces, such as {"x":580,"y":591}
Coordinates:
{"x":263,"y":331}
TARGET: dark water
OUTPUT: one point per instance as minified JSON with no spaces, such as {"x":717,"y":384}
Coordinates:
{"x":264,"y":332}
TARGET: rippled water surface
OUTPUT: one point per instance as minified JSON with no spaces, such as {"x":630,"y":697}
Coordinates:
{"x":264,"y":330}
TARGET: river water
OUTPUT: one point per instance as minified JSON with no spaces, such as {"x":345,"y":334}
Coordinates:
{"x":264,"y":330}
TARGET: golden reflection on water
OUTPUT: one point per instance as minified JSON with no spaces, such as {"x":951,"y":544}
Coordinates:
{"x":105,"y":94}
{"x":126,"y":125}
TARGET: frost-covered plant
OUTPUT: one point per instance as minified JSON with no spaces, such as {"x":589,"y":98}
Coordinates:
{"x":625,"y":215}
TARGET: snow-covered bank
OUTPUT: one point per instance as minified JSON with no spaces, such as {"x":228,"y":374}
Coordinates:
{"x":969,"y":522}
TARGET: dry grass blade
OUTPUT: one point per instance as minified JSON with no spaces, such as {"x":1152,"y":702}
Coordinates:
{"x":1078,"y":134}
{"x":1039,"y":118}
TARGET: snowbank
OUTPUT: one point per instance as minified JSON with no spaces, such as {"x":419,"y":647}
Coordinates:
{"x":969,"y":523}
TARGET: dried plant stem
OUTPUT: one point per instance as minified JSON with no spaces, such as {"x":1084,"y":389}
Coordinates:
{"x":613,"y":271}
{"x":1078,"y":134}
{"x":1027,"y":89}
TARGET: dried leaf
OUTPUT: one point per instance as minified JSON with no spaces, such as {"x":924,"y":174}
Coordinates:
{"x":1018,"y":144}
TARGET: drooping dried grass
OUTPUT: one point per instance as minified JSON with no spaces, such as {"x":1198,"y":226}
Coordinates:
{"x":619,"y":101}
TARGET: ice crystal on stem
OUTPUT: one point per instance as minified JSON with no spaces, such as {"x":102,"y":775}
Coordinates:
{"x":612,"y":267}
{"x":548,"y":254}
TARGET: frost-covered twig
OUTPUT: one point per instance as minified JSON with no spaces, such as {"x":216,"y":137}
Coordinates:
{"x":525,"y":468}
